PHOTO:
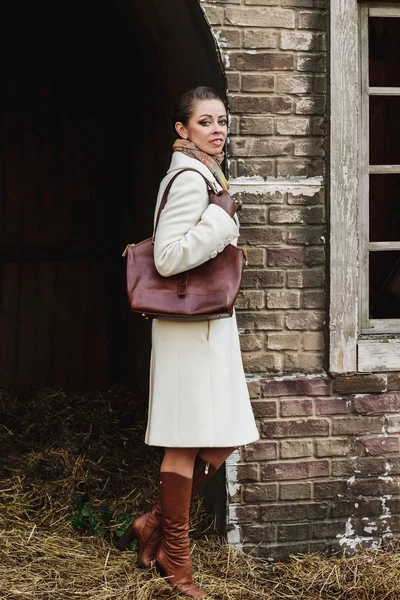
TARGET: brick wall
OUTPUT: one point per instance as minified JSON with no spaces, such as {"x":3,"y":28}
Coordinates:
{"x":325,"y":473}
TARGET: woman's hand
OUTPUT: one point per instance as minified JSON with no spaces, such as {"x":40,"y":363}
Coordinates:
{"x":224,"y":200}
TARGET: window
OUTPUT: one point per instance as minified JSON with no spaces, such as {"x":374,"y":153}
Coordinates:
{"x":365,"y":187}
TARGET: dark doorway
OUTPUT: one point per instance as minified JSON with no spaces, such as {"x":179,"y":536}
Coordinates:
{"x":87,"y":92}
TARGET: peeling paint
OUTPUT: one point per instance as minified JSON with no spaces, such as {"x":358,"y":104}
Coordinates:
{"x":233,"y":529}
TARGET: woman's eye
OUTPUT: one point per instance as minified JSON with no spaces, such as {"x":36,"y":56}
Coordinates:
{"x":223,"y":122}
{"x":205,"y":122}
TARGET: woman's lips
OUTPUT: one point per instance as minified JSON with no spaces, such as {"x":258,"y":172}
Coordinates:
{"x":217,"y":142}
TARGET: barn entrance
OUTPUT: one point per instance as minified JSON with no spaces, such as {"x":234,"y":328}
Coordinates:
{"x":85,"y":139}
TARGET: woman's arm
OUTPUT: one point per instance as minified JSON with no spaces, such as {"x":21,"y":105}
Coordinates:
{"x":190,"y":230}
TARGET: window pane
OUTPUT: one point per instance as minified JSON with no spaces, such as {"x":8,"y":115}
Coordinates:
{"x":384,"y":208}
{"x":384,"y":285}
{"x":384,"y":51}
{"x":384,"y":130}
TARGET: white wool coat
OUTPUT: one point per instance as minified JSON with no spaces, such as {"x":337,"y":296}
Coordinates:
{"x":198,"y":392}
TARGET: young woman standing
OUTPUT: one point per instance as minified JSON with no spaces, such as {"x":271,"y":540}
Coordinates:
{"x":199,"y":407}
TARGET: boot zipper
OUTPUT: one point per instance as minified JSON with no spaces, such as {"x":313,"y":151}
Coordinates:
{"x":206,"y":468}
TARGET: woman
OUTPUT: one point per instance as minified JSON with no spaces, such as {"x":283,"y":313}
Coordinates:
{"x":199,"y":408}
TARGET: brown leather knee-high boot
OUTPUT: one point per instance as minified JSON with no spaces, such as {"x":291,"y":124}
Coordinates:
{"x":147,"y":528}
{"x":173,"y":555}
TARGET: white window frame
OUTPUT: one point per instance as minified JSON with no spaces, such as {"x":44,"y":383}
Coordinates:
{"x":357,"y":343}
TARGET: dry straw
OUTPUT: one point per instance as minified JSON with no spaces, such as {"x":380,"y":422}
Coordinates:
{"x":57,"y":447}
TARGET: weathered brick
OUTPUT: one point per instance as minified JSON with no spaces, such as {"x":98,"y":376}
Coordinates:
{"x":260,"y":61}
{"x":283,"y":341}
{"x":311,"y":362}
{"x":307,"y":214}
{"x":267,"y":197}
{"x":312,"y":20}
{"x":306,"y":196}
{"x":356,"y":384}
{"x":214,"y":14}
{"x":314,"y":299}
{"x":263,"y":409}
{"x":356,"y":425}
{"x":297,"y":428}
{"x":360,"y":467}
{"x":228,"y":38}
{"x":269,"y":321}
{"x":328,"y":530}
{"x":254,"y":388}
{"x":256,"y":533}
{"x":298,"y":40}
{"x":376,"y":446}
{"x":297,"y":3}
{"x":294,"y":84}
{"x":294,"y":512}
{"x":262,"y":278}
{"x":247,"y":472}
{"x":290,"y":362}
{"x":257,"y":125}
{"x":260,"y":493}
{"x":313,"y":341}
{"x":262,"y":362}
{"x":250,"y":299}
{"x":314,"y":63}
{"x":362,"y":507}
{"x":251,"y":341}
{"x":289,"y":533}
{"x":310,"y":147}
{"x":375,"y":487}
{"x":306,"y":235}
{"x":260,"y":82}
{"x":261,"y":451}
{"x":285,"y":257}
{"x":304,"y":321}
{"x":377,"y":404}
{"x":283,"y":299}
{"x":392,"y":423}
{"x":233,"y":80}
{"x":295,"y":491}
{"x":393,"y":382}
{"x":256,"y":257}
{"x":295,"y":448}
{"x":259,"y":17}
{"x":320,"y":84}
{"x":248,"y":167}
{"x":292,"y":168}
{"x":311,"y":105}
{"x":295,"y":470}
{"x":260,"y":146}
{"x":260,"y":38}
{"x":332,"y":447}
{"x":293,"y":126}
{"x":313,"y":386}
{"x":261,"y":235}
{"x":305,"y":278}
{"x":314,"y":256}
{"x":332,"y":406}
{"x":296,"y":408}
{"x":326,"y":490}
{"x":260,"y":104}
{"x":245,"y":514}
{"x":234,"y":124}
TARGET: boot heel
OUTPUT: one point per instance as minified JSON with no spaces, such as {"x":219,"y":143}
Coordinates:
{"x":127,"y":538}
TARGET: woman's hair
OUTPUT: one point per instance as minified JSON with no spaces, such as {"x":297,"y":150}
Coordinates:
{"x":184,"y":109}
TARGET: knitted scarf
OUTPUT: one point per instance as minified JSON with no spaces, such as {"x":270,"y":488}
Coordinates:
{"x":211,"y":162}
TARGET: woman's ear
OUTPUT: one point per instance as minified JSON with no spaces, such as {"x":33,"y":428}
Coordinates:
{"x":181,"y":130}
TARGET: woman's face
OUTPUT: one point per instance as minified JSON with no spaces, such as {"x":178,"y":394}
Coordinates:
{"x":207,"y":127}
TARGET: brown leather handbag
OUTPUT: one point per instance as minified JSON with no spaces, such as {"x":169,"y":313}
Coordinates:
{"x":206,"y":292}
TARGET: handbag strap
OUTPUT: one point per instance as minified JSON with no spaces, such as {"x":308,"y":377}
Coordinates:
{"x":210,"y":185}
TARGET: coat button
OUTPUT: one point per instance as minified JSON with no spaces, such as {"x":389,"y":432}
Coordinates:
{"x":213,"y":254}
{"x":221,"y":247}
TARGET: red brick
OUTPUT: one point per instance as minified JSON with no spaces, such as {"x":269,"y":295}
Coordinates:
{"x":296,"y":408}
{"x":289,"y":533}
{"x":332,"y":447}
{"x":328,"y":530}
{"x":261,"y":451}
{"x":245,"y":514}
{"x":365,"y":508}
{"x":312,"y":386}
{"x":295,"y":491}
{"x":315,"y":255}
{"x":332,"y":406}
{"x":295,"y":448}
{"x":377,"y":404}
{"x":360,"y":467}
{"x":357,"y":384}
{"x":255,"y":533}
{"x":295,"y":470}
{"x":326,"y":490}
{"x":297,"y":428}
{"x":375,"y":487}
{"x":376,"y":446}
{"x":247,"y":472}
{"x":357,"y":425}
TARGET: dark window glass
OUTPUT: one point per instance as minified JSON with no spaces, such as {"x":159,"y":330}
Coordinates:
{"x":384,"y":208}
{"x":384,"y":138}
{"x":384,"y":51}
{"x":384,"y":285}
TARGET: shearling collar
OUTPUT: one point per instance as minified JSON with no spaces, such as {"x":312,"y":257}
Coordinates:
{"x":182,"y":161}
